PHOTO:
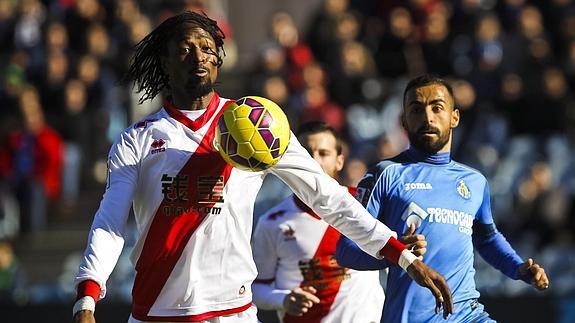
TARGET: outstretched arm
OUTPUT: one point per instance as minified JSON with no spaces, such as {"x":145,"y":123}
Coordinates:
{"x":348,"y":254}
{"x":337,"y":207}
{"x":496,"y":250}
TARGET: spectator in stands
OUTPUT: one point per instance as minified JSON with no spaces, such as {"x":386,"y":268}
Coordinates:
{"x":31,"y":160}
{"x":12,"y":276}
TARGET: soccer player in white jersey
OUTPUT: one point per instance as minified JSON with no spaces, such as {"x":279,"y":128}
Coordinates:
{"x":193,"y":212}
{"x":294,"y":251}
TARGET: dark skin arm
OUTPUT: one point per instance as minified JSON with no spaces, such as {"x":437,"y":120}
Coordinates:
{"x":432,"y":280}
{"x":84,"y":316}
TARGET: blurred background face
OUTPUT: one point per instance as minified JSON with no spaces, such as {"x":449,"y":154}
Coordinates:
{"x":429,"y":116}
{"x":322,"y":147}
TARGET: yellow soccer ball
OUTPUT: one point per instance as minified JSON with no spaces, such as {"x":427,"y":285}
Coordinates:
{"x":252,"y":134}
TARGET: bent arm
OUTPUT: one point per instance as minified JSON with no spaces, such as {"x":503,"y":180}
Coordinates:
{"x":349,"y":255}
{"x":496,"y":250}
{"x":332,"y":202}
{"x":492,"y":245}
{"x":267,"y":297}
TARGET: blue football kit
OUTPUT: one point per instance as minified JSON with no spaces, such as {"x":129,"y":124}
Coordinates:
{"x":449,"y":203}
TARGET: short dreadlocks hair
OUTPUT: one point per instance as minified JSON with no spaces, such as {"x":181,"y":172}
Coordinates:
{"x":146,"y":66}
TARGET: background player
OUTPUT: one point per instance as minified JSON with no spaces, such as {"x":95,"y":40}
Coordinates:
{"x":294,"y":251}
{"x":193,"y":211}
{"x":448,"y":202}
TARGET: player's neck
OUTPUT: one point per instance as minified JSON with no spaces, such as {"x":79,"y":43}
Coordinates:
{"x":183,"y":102}
{"x":438,"y":158}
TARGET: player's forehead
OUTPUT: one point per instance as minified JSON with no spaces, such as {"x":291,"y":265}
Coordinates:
{"x":320,"y":140}
{"x":190,"y":32}
{"x":428,"y":93}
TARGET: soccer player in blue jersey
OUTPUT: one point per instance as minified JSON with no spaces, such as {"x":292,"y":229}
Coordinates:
{"x":446,"y":202}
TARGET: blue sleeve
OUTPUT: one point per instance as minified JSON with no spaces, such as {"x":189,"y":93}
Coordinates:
{"x":492,"y":245}
{"x":348,"y":254}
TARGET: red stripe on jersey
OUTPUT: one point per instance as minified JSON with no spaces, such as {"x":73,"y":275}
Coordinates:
{"x":199,"y":317}
{"x":323,"y":273}
{"x":168,"y":235}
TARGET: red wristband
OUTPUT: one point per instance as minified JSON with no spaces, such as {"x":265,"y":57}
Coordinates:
{"x":392,"y":250}
{"x":88,"y":288}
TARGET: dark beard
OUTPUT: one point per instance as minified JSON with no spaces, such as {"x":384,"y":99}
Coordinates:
{"x":424,"y":144}
{"x":199,"y":88}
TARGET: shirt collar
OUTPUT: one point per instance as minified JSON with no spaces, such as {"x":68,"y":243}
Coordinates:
{"x":195,"y":125}
{"x":420,"y":156}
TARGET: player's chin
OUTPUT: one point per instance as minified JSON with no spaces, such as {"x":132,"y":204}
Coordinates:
{"x":199,"y":87}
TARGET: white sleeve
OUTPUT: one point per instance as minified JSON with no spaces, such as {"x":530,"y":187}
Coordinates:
{"x":106,"y":237}
{"x":330,"y":200}
{"x":265,"y":295}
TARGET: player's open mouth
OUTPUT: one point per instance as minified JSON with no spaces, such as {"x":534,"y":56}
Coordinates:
{"x":201,"y":72}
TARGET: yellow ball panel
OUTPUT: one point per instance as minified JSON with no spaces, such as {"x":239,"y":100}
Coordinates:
{"x":243,"y":124}
{"x":242,"y":111}
{"x":245,"y":149}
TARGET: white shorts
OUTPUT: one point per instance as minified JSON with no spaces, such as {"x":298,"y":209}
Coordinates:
{"x":248,"y":316}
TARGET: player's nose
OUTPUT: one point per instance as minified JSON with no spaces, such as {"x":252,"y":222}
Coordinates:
{"x":196,"y":55}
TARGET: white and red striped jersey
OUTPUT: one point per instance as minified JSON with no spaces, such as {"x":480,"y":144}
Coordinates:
{"x":193,"y":215}
{"x":292,"y":248}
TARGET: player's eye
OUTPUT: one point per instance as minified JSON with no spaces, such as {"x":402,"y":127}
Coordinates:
{"x":437,"y":107}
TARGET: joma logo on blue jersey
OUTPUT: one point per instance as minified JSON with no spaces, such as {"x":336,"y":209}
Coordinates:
{"x":417,"y":186}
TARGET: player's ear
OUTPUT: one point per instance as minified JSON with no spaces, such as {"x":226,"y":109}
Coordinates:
{"x":454,"y":117}
{"x":339,"y":162}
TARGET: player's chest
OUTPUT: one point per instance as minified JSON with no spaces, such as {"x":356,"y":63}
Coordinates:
{"x":445,"y":201}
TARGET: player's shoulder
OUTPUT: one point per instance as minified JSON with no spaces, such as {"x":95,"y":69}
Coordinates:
{"x":147,"y":122}
{"x":140,"y":129}
{"x":469,"y":171}
{"x":385,"y":165}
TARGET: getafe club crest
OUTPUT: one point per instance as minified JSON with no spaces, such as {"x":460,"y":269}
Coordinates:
{"x":463,"y":190}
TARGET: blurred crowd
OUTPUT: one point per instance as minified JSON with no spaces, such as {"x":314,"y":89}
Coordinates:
{"x":511,"y":63}
{"x":512,"y":66}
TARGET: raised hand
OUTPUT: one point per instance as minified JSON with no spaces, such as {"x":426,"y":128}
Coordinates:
{"x":415,"y":243}
{"x":300,"y":300}
{"x":432,"y":280}
{"x":539,"y":280}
